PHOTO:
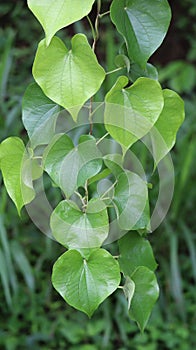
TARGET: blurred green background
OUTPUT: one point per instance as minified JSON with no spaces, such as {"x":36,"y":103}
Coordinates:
{"x":32,"y":314}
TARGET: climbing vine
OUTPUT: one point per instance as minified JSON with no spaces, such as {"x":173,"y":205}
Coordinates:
{"x":103,"y":200}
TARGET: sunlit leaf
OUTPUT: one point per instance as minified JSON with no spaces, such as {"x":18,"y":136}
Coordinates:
{"x":131,"y":112}
{"x":56,"y":14}
{"x":68,"y":77}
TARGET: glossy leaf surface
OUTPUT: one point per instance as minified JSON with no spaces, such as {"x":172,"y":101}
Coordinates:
{"x":143,"y":25}
{"x":130,"y":197}
{"x":163,"y":135}
{"x":85,"y":284}
{"x":77,"y":229}
{"x":69,"y":166}
{"x":145,"y":295}
{"x":39,"y":116}
{"x":135,"y":251}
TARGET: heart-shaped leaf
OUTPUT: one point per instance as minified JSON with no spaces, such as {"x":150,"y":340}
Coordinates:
{"x":143,"y":25}
{"x":145,"y":295}
{"x":17,"y":171}
{"x":85,"y":284}
{"x":163,"y":134}
{"x":68,"y":77}
{"x":135,"y":251}
{"x":130,"y":198}
{"x":39,"y":115}
{"x":56,"y":14}
{"x":70,"y":167}
{"x":77,"y":229}
{"x":131,"y":112}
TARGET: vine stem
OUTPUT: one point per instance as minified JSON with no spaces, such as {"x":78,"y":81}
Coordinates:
{"x":81,"y":198}
{"x":104,"y":14}
{"x":102,"y":138}
{"x":115,"y":70}
{"x":90,"y":116}
{"x":109,"y":189}
{"x":96,"y":30}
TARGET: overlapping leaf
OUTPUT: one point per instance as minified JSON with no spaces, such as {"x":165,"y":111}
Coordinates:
{"x":135,"y":251}
{"x":70,"y":167}
{"x":77,"y":229}
{"x":17,"y":171}
{"x":85,"y":284}
{"x":68,"y":77}
{"x":130,"y":198}
{"x":131,"y":112}
{"x":39,"y":116}
{"x":145,"y":295}
{"x":143,"y":25}
{"x":56,"y":14}
{"x":163,"y":134}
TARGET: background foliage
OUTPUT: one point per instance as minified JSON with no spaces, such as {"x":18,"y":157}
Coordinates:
{"x":33,"y":316}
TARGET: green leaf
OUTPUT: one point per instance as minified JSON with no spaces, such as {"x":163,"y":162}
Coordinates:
{"x":149,"y":72}
{"x":123,"y":62}
{"x":70,"y":167}
{"x":143,"y":224}
{"x":114,"y":162}
{"x":68,"y":77}
{"x":131,"y":112}
{"x":163,"y":134}
{"x":143,"y":25}
{"x":135,"y":251}
{"x":130,"y":198}
{"x":129,"y":289}
{"x":56,"y":14}
{"x":99,"y":176}
{"x":77,"y":229}
{"x":16,"y":175}
{"x":85,"y":284}
{"x":39,"y":115}
{"x":145,"y":295}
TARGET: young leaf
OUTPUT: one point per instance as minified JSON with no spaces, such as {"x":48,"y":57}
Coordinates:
{"x":163,"y":134}
{"x":85,"y":284}
{"x":68,"y":77}
{"x":149,"y":72}
{"x":56,"y":14}
{"x":39,"y":115}
{"x":143,"y":25}
{"x":131,"y":112}
{"x":17,"y":177}
{"x":129,"y":289}
{"x":130,"y":198}
{"x":70,"y":167}
{"x":78,"y":229}
{"x":135,"y":251}
{"x":145,"y":295}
